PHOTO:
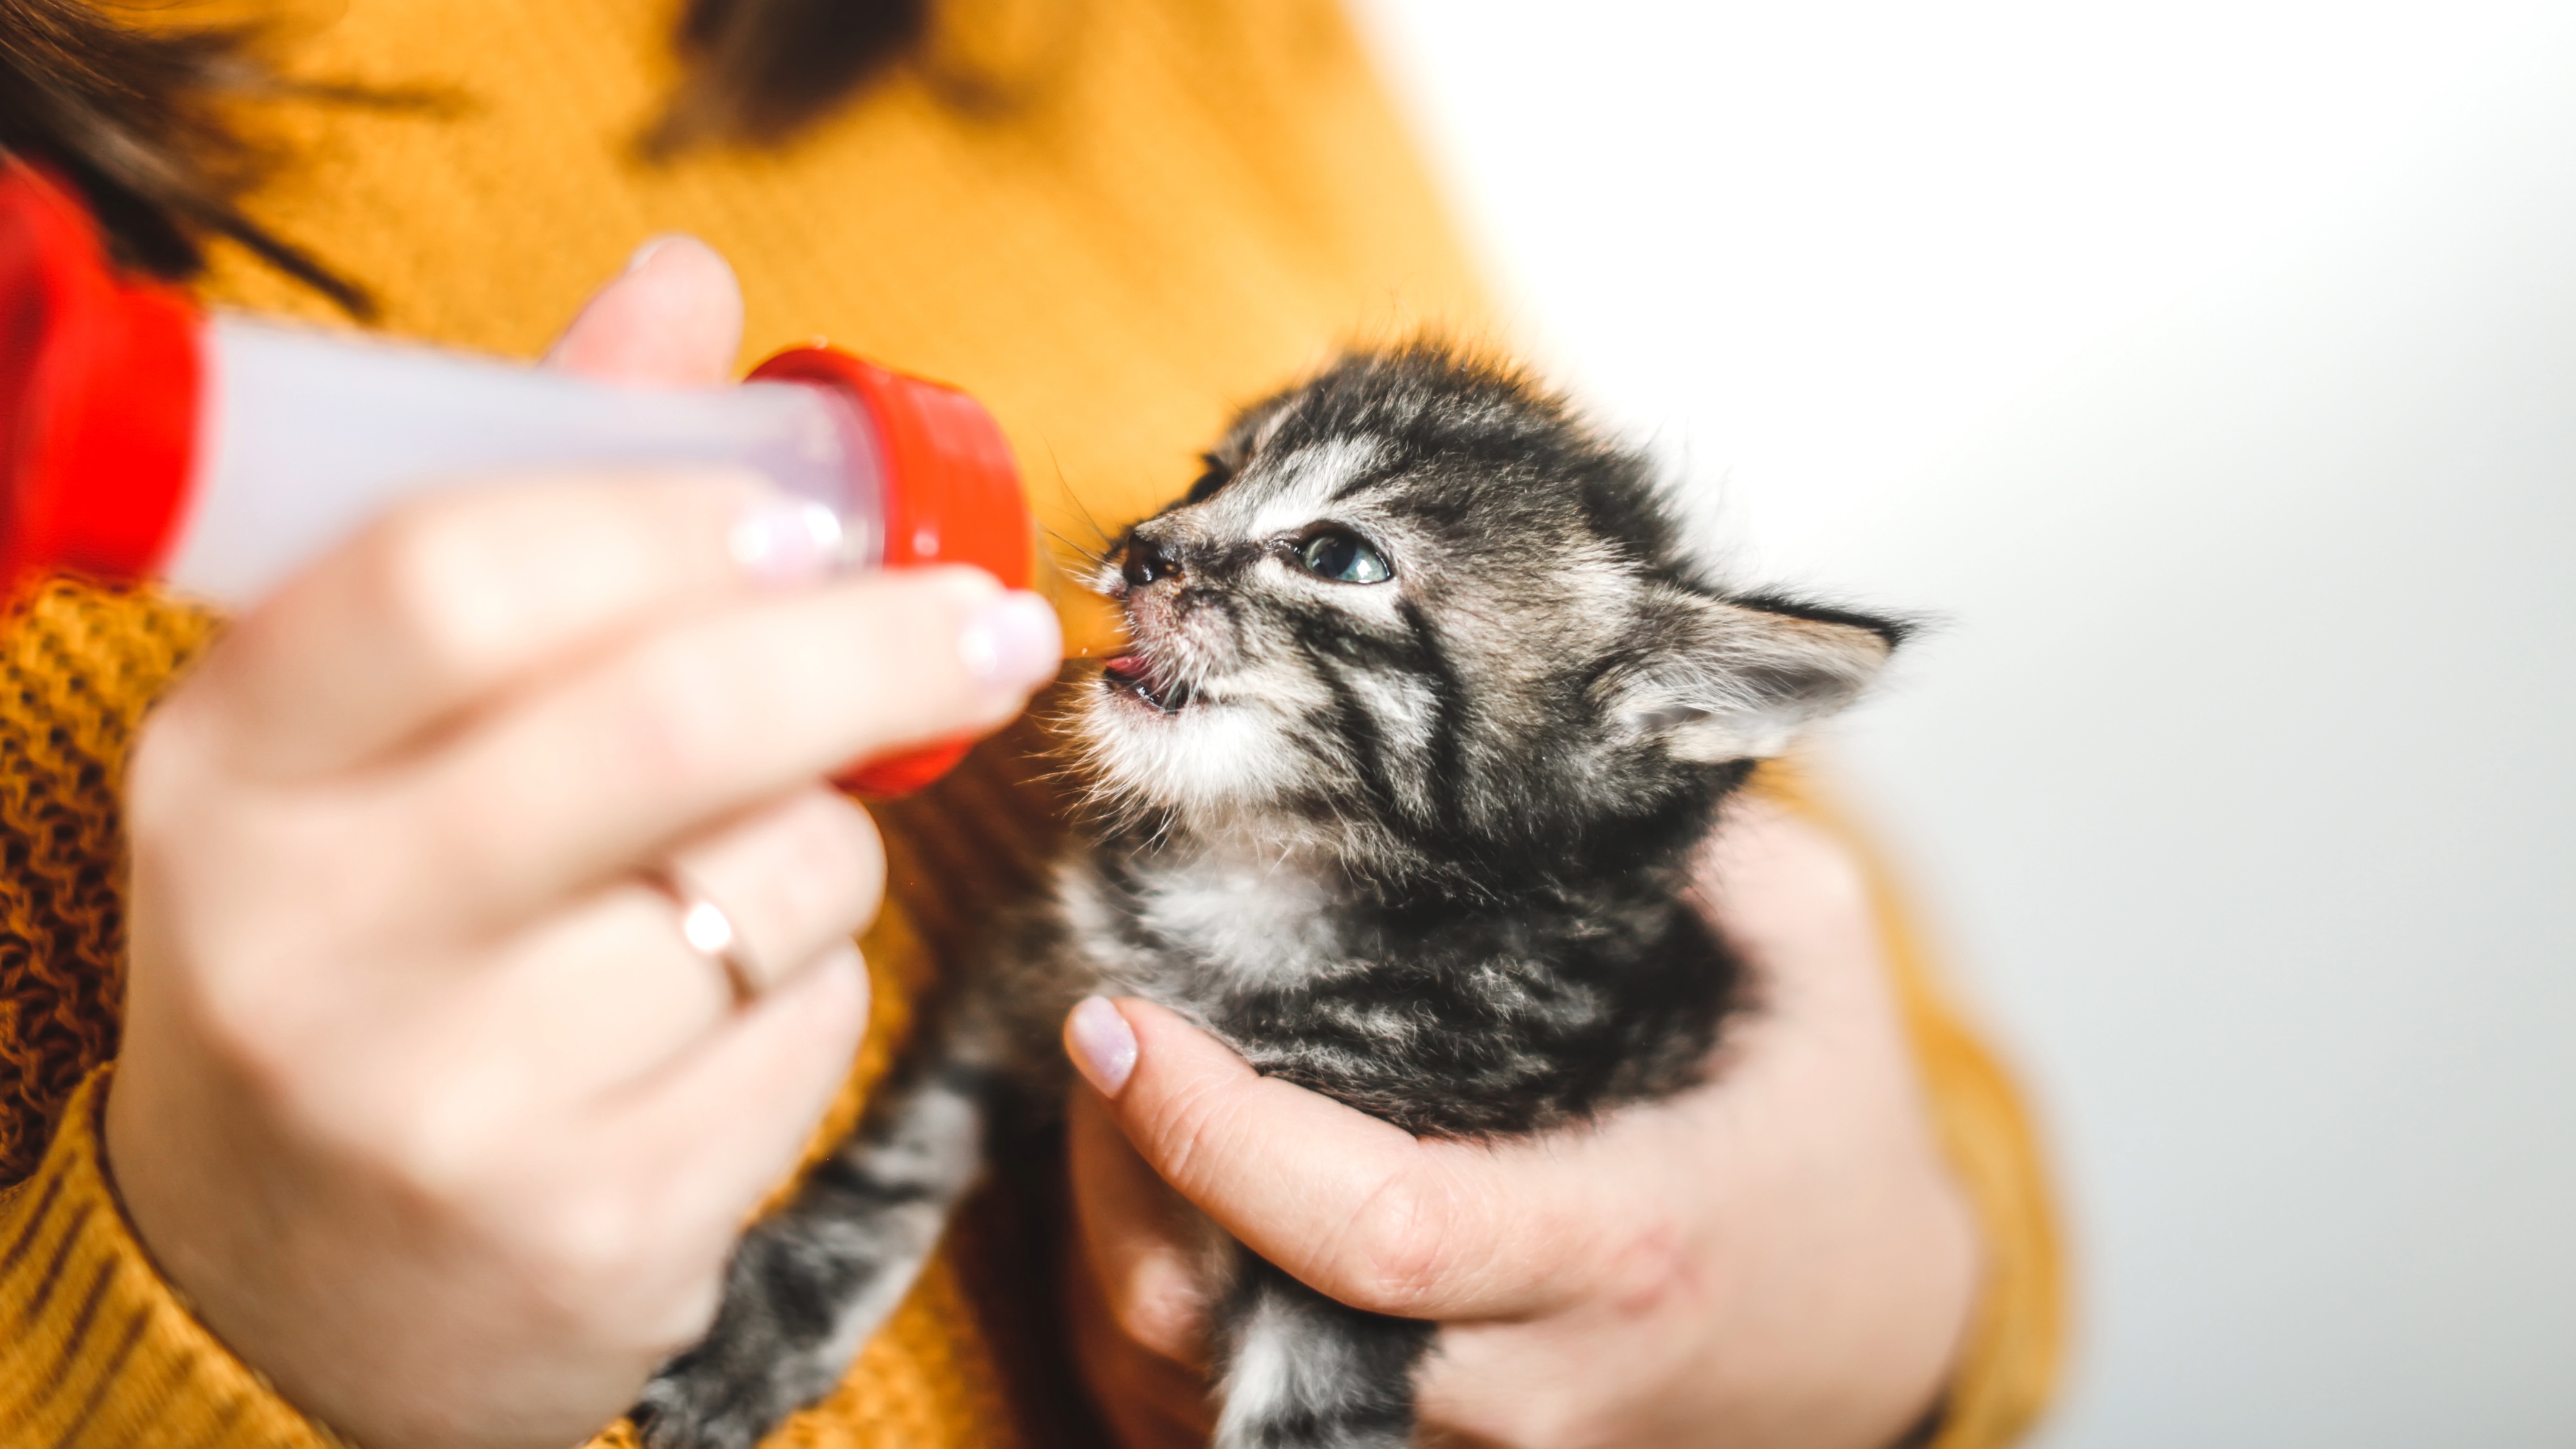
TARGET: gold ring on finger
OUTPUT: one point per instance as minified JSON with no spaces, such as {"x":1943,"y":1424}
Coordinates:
{"x":709,"y":932}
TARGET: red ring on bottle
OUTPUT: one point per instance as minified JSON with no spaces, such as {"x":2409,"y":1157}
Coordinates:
{"x":99,"y":379}
{"x":951,"y":496}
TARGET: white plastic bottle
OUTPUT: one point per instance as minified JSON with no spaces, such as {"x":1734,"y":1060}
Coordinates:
{"x":302,"y":436}
{"x":139,"y":437}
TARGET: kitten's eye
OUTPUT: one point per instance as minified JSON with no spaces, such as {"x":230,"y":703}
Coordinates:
{"x":1345,"y":559}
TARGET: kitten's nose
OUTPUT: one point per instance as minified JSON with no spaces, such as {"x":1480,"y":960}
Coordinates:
{"x":1146,"y":562}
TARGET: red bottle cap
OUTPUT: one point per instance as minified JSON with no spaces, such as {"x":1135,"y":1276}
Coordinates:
{"x":952,"y":495}
{"x":98,"y":395}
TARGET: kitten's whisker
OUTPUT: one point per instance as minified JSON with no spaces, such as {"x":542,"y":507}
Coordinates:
{"x":1064,"y":487}
{"x":1096,"y":557}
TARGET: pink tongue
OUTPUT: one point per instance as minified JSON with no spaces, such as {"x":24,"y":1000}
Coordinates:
{"x":1128,"y":664}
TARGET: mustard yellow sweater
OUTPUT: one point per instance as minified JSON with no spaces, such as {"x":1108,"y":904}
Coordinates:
{"x":1153,"y":209}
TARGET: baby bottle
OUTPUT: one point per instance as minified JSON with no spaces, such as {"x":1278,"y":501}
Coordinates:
{"x":141,"y":437}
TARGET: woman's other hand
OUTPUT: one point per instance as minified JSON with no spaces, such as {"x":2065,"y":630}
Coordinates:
{"x":1777,"y":1260}
{"x":424,"y":1100}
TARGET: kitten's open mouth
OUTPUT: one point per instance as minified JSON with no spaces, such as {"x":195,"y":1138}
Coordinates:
{"x":1135,"y":676}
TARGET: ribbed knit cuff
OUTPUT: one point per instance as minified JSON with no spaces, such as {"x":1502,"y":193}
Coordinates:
{"x":96,"y":1352}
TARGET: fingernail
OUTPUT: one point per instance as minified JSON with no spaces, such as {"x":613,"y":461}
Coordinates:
{"x":787,"y":541}
{"x":1012,"y":641}
{"x":1104,"y":1047}
{"x":644,"y":253}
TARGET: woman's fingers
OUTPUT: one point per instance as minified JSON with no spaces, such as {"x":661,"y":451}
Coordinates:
{"x":791,"y":880}
{"x":613,"y":991}
{"x":610,"y":767}
{"x":635,"y":1196}
{"x":721,"y":1125}
{"x":454,"y":596}
{"x":1150,"y":1399}
{"x":1141,"y":1253}
{"x":1351,"y":1204}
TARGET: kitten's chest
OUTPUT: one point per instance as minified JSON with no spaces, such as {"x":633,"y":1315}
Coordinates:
{"x":1203,"y":933}
{"x":1467,"y":1023}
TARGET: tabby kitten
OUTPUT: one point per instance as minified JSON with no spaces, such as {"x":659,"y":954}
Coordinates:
{"x":1427,"y":707}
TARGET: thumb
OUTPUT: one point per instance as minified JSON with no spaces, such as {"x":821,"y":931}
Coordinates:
{"x":673,"y":318}
{"x":1356,"y":1207}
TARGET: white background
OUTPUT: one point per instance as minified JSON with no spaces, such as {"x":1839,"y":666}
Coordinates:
{"x":2210,"y":370}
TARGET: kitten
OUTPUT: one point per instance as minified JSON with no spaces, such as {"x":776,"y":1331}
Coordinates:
{"x":1427,"y":707}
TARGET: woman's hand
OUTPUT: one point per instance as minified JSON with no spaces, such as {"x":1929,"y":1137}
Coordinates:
{"x":424,"y":1101}
{"x":1779,"y":1258}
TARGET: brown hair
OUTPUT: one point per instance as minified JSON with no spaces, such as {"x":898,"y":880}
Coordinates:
{"x":133,"y":115}
{"x":761,"y":70}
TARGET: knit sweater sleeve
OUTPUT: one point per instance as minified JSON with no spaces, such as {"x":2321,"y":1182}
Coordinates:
{"x":99,"y":1350}
{"x":95,"y":1349}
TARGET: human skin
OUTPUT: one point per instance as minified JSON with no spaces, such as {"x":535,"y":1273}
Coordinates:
{"x":1778,"y":1259}
{"x":423,"y":1101}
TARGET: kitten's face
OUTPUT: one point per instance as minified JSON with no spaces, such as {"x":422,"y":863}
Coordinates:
{"x":1412,"y":610}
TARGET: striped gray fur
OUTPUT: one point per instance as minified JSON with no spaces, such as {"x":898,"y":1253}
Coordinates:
{"x":1396,"y":791}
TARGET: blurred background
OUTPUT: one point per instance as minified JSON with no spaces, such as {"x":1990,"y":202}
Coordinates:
{"x":2209,"y":370}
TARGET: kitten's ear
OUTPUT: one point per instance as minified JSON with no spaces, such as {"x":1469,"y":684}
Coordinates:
{"x":1728,"y":680}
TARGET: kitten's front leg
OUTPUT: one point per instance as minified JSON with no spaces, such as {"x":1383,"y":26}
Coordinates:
{"x":809,"y":1285}
{"x":1303,"y":1371}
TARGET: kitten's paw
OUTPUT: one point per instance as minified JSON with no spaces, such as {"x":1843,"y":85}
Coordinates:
{"x":1309,"y":1433}
{"x":709,"y":1398}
